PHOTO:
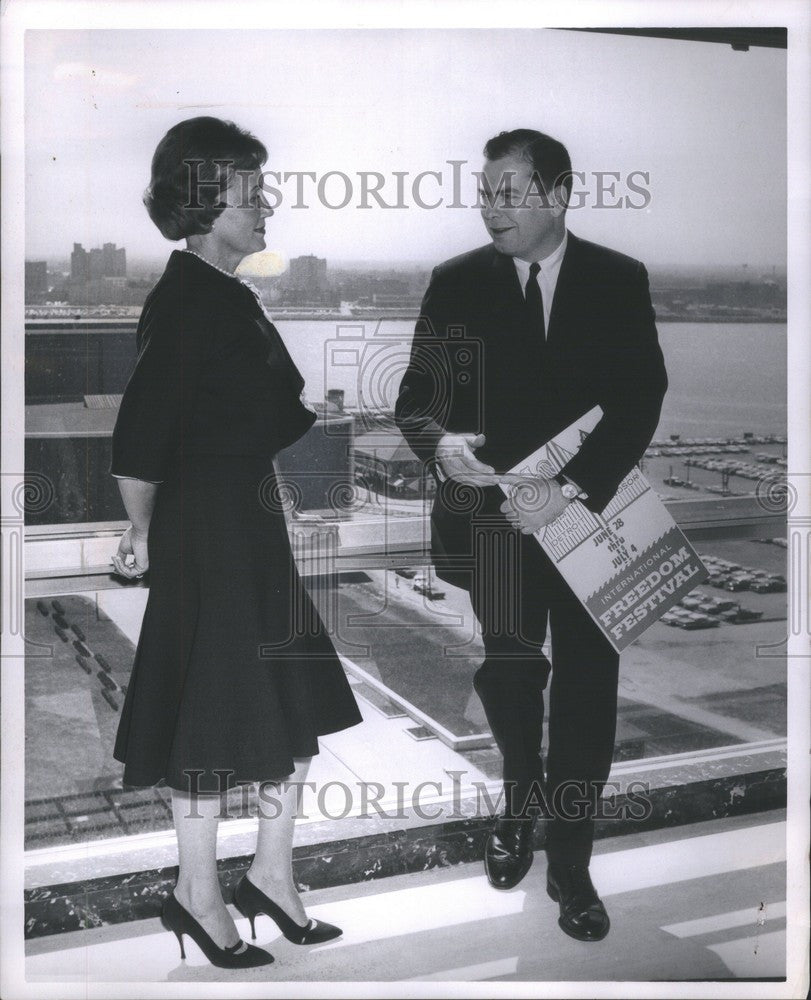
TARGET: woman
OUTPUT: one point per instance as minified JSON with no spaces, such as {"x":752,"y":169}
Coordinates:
{"x":227,"y":686}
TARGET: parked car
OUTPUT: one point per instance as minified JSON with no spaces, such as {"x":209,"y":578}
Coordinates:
{"x":704,"y":621}
{"x":739,"y":616}
{"x":768,"y":586}
{"x":709,"y":607}
{"x":422,"y":585}
{"x":723,"y":605}
{"x":745,"y":615}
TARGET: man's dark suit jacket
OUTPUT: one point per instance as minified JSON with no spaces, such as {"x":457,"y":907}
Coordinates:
{"x":477,"y":366}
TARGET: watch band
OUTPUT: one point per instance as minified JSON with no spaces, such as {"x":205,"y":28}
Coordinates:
{"x":570,"y":490}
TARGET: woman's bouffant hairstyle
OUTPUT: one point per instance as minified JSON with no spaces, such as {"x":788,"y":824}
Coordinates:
{"x":191,"y":170}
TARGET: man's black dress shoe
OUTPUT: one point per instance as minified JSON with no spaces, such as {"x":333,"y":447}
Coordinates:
{"x":508,"y":852}
{"x":582,"y":914}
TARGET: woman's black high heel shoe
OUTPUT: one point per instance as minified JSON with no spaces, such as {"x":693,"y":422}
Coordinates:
{"x":178,"y":919}
{"x":251,"y":901}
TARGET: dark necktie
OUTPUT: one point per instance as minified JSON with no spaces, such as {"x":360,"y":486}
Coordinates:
{"x":534,"y":299}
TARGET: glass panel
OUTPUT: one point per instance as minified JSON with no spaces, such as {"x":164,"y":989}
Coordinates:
{"x":723,"y":423}
{"x":410,"y":649}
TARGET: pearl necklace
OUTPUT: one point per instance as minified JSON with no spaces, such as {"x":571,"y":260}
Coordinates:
{"x":222,"y":270}
{"x":229,"y":274}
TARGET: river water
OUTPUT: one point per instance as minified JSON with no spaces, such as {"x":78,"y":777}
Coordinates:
{"x":725,"y":378}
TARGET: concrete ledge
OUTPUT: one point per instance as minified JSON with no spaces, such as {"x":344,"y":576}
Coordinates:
{"x":362,"y":848}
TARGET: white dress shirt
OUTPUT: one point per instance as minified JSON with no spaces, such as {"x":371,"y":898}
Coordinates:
{"x":547,"y":276}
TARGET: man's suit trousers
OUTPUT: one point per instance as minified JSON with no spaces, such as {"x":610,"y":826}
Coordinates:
{"x":515,"y":592}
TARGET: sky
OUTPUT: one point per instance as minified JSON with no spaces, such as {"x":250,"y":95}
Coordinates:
{"x":706,"y":125}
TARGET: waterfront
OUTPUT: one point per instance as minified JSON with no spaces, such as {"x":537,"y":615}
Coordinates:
{"x":725,"y":378}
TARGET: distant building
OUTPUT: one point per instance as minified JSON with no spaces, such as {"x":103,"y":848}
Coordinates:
{"x":99,"y":277}
{"x":744,"y":293}
{"x":115,"y":261}
{"x":386,"y":464}
{"x":96,"y":263}
{"x":79,"y":264}
{"x":36,"y":281}
{"x":390,"y":301}
{"x":108,"y":261}
{"x":305,"y":284}
{"x":308,"y":273}
{"x":334,"y":400}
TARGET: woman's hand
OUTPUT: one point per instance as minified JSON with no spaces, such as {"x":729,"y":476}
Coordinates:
{"x":133,"y":547}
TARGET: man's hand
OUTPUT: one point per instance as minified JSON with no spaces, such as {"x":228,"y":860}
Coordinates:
{"x":533,"y":503}
{"x":455,"y":456}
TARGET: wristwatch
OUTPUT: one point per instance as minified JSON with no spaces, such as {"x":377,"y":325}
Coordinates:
{"x":570,"y":490}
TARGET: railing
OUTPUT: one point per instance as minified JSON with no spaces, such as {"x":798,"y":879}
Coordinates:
{"x":70,"y":558}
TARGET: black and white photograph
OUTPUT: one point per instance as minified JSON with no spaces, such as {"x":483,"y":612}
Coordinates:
{"x":405,"y":490}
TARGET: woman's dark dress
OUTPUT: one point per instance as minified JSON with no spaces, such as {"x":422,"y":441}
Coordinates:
{"x":234,"y":674}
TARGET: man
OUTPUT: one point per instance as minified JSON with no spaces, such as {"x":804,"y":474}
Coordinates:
{"x":516,"y":340}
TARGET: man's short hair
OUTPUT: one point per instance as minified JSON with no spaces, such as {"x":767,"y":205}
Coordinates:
{"x":548,"y":157}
